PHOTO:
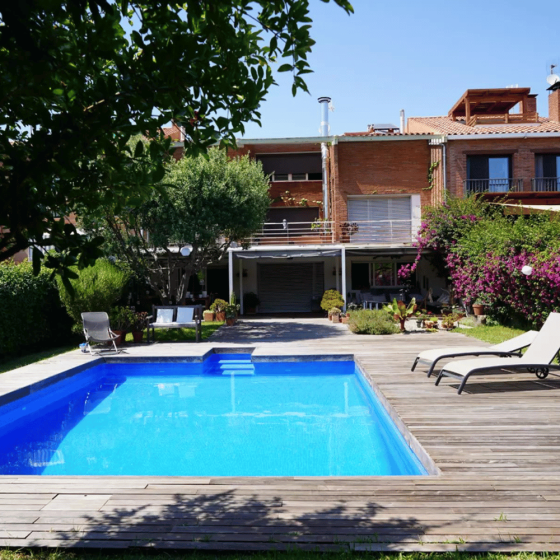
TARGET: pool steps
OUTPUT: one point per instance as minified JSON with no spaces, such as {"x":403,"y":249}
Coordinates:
{"x":231,"y":366}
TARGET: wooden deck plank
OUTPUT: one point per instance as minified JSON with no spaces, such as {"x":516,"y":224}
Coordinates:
{"x":497,"y":446}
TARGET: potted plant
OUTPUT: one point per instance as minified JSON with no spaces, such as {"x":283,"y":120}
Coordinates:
{"x":331,"y":298}
{"x":209,"y":315}
{"x":219,"y":308}
{"x":448,"y":321}
{"x":250,"y":302}
{"x":334,"y":313}
{"x":122,"y":319}
{"x":139,"y":324}
{"x":420,"y":318}
{"x":479,"y":305}
{"x":400,"y":311}
{"x":344,"y":318}
{"x":231,"y":314}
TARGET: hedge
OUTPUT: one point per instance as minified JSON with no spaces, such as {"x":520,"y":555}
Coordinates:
{"x":31,"y":314}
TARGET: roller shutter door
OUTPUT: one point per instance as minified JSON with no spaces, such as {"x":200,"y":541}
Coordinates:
{"x":390,"y":219}
{"x":289,"y":288}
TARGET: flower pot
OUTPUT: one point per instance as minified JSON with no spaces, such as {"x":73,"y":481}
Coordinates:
{"x":419,"y":323}
{"x":336,"y":318}
{"x":120,"y":338}
{"x":478,"y":309}
{"x":209,"y":316}
{"x":221,"y":316}
{"x":345,"y":319}
{"x":137,"y":336}
{"x":230,"y":321}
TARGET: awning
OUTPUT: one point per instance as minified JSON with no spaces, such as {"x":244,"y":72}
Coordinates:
{"x":287,"y":254}
{"x":542,"y":207}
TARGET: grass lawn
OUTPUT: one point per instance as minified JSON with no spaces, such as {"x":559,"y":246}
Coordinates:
{"x":183,"y":335}
{"x":493,"y":334}
{"x":35,"y":357}
{"x":38,"y":554}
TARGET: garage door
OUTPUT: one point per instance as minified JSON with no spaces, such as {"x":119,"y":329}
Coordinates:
{"x":381,"y":220}
{"x":289,"y":288}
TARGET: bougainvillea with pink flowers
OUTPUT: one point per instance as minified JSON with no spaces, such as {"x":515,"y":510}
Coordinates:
{"x":482,"y":250}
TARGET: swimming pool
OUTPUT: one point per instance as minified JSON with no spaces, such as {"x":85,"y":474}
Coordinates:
{"x":226,"y":416}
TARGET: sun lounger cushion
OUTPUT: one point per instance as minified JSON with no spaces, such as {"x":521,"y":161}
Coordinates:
{"x":164,"y":316}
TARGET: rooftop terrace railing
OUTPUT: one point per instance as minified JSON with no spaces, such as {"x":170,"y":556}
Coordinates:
{"x":545,"y":184}
{"x":475,"y":186}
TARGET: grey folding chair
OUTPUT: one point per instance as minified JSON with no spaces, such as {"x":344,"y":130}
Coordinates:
{"x":98,"y":329}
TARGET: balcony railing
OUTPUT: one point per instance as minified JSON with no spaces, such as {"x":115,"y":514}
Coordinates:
{"x":473,"y":186}
{"x":545,"y":184}
{"x":379,"y":232}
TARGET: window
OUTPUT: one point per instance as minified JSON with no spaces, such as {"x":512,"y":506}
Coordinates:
{"x":385,"y":275}
{"x":547,"y":167}
{"x":293,"y":167}
{"x":489,"y":173}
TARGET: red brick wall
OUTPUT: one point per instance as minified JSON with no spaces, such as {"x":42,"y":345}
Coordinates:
{"x":522,"y":151}
{"x":311,"y":191}
{"x":255,"y":149}
{"x":554,"y":106}
{"x":383,"y":168}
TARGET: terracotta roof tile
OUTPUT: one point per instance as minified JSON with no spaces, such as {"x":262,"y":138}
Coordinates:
{"x":386,"y":134}
{"x":445,"y":125}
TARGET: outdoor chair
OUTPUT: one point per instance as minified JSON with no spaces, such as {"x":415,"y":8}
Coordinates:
{"x":97,"y":329}
{"x":511,"y":347}
{"x":175,"y":317}
{"x":537,"y":359}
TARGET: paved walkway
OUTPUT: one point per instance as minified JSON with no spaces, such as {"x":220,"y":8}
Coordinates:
{"x":496,"y":447}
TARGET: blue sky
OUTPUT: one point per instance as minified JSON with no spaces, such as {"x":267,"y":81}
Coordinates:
{"x":417,"y":55}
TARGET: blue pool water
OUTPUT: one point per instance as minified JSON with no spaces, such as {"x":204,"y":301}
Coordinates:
{"x":224,"y":417}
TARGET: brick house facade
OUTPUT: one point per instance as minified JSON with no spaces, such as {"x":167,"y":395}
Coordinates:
{"x":354,"y":227}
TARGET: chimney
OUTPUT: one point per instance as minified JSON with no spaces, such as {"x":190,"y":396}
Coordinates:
{"x":324,"y":101}
{"x":554,"y":105}
{"x":531,"y":103}
{"x":402,"y":121}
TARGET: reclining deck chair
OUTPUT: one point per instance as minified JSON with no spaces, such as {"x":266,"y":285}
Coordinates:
{"x":97,"y":329}
{"x":537,"y":359}
{"x":511,"y":347}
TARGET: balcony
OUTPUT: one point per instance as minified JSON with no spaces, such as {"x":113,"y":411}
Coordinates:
{"x":545,"y":184}
{"x":377,"y":232}
{"x":505,"y":185}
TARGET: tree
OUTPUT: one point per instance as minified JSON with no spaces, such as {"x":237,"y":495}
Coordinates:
{"x":80,"y":77}
{"x":207,"y":202}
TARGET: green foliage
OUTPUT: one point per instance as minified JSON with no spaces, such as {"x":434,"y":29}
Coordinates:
{"x":331,"y":298}
{"x":140,"y":321}
{"x":335,"y":311}
{"x":205,"y":202}
{"x":492,"y":334}
{"x":122,"y":318}
{"x":219,"y":305}
{"x":371,"y":321}
{"x":79,"y":79}
{"x":251,"y":300}
{"x":96,"y":288}
{"x":31,"y":314}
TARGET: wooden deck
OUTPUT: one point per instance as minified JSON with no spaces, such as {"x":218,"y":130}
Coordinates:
{"x":497,"y":446}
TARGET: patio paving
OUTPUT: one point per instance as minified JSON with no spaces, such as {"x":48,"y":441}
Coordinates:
{"x":497,"y":448}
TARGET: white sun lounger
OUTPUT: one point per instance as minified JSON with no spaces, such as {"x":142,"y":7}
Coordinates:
{"x":511,"y":347}
{"x":537,"y":359}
